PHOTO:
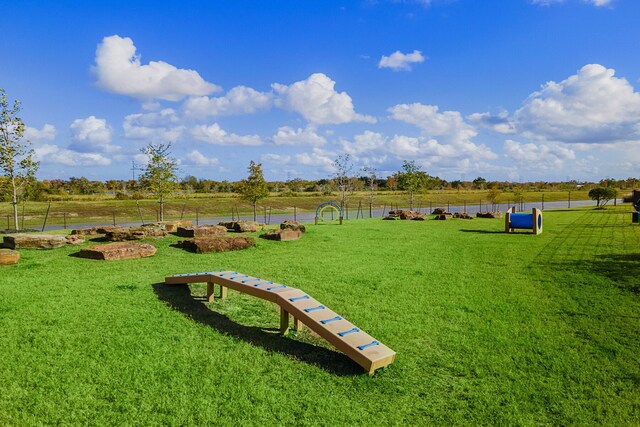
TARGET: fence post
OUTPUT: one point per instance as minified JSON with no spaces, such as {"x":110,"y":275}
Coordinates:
{"x":64,"y":218}
{"x":448,"y":206}
{"x":45,"y":216}
{"x":370,"y":210}
{"x":196,"y":217}
{"x":542,"y":201}
{"x":114,"y":219}
{"x":569,"y":201}
{"x":295,"y":213}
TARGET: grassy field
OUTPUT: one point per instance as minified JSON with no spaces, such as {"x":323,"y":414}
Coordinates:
{"x":106,"y":209}
{"x":489,"y":328}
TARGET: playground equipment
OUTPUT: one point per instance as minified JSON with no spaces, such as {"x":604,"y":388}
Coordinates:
{"x":532,"y":221}
{"x":355,"y":343}
{"x":328,"y":205}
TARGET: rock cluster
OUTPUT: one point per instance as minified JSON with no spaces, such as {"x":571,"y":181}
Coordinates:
{"x":122,"y":234}
{"x":203,"y":245}
{"x":462,"y":215}
{"x":172,"y":226}
{"x":444,"y":216}
{"x":117,"y":251}
{"x":405,"y":215}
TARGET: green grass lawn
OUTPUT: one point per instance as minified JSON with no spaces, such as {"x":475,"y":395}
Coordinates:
{"x":489,"y":328}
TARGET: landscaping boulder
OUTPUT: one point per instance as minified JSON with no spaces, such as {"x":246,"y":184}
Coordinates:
{"x":74,"y":239}
{"x":85,"y":231}
{"x":489,"y":214}
{"x":442,"y":217}
{"x":282,"y":235}
{"x":293,"y":225}
{"x":202,"y":231}
{"x":439,"y":211}
{"x":8,"y":257}
{"x":172,"y":226}
{"x":203,"y":245}
{"x":108,"y":229}
{"x":122,"y":234}
{"x":241,"y":226}
{"x":462,"y":215}
{"x":117,"y":251}
{"x":391,"y":218}
{"x":407,"y":215}
{"x":34,"y":241}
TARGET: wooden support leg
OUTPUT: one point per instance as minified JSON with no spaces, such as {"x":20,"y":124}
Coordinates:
{"x":297,"y":324}
{"x":284,"y":321}
{"x":210,"y":296}
{"x":223,"y":291}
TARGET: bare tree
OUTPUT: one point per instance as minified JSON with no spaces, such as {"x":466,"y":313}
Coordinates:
{"x":342,"y":178}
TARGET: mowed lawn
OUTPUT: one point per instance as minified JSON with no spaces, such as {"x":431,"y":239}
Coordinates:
{"x":489,"y":328}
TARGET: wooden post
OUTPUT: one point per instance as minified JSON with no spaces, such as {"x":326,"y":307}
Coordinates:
{"x":114,"y":219}
{"x":284,"y":321}
{"x":22,"y":226}
{"x":536,"y":215}
{"x":64,"y":219}
{"x":370,"y":209}
{"x":297,"y":324}
{"x":542,"y":201}
{"x":45,"y":217}
{"x":210,"y":296}
{"x":295,"y":215}
{"x":196,"y":216}
{"x":139,"y":212}
{"x":507,"y":220}
{"x":569,"y":201}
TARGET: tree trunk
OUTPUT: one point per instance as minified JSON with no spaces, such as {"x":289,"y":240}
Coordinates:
{"x":411,"y":201}
{"x":254,"y":211}
{"x":14,"y":202}
{"x":162,"y":207}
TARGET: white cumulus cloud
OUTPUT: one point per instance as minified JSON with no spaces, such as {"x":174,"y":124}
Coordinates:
{"x":287,"y":135}
{"x":538,"y":156}
{"x":366,"y":142}
{"x":49,"y":153}
{"x":214,"y":134}
{"x":196,"y":158}
{"x":239,"y":100}
{"x":47,"y":133}
{"x":119,"y":70}
{"x":91,"y":135}
{"x":317,"y":101}
{"x":592,"y":106}
{"x":160,"y":126}
{"x":399,"y":61}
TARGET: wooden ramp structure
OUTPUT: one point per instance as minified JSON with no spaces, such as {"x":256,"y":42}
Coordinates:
{"x":366,"y":351}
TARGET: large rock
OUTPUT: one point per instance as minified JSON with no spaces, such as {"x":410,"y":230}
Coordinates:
{"x":118,"y":250}
{"x":241,"y":226}
{"x":172,"y":226}
{"x":85,"y":231}
{"x":34,"y":241}
{"x":489,"y":214}
{"x":293,"y":225}
{"x":8,"y":257}
{"x":108,"y":229}
{"x":282,"y":235}
{"x":122,"y":234}
{"x":74,"y":239}
{"x":203,"y":245}
{"x":439,"y":211}
{"x":202,"y":231}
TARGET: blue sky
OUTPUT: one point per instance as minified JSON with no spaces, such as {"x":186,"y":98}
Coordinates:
{"x":505,"y":89}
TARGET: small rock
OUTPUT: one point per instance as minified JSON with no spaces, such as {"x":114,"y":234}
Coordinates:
{"x":9,"y":257}
{"x":172,"y":226}
{"x":489,"y":214}
{"x":462,"y":215}
{"x":118,"y":251}
{"x":241,"y":226}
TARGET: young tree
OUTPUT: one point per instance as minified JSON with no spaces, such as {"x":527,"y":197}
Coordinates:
{"x":16,"y":154}
{"x":159,"y":176}
{"x":411,"y":179}
{"x":342,"y":178}
{"x":602,"y":195}
{"x":372,"y":181}
{"x":254,"y":188}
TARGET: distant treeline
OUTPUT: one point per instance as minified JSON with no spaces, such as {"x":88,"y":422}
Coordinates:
{"x":127,"y":189}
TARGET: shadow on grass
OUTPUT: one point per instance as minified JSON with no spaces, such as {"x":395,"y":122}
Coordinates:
{"x":179,"y":298}
{"x":623,"y":270}
{"x":483,"y":231}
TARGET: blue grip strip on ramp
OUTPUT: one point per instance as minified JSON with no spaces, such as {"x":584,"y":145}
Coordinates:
{"x":372,"y":343}
{"x":350,"y":331}
{"x":333,"y":319}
